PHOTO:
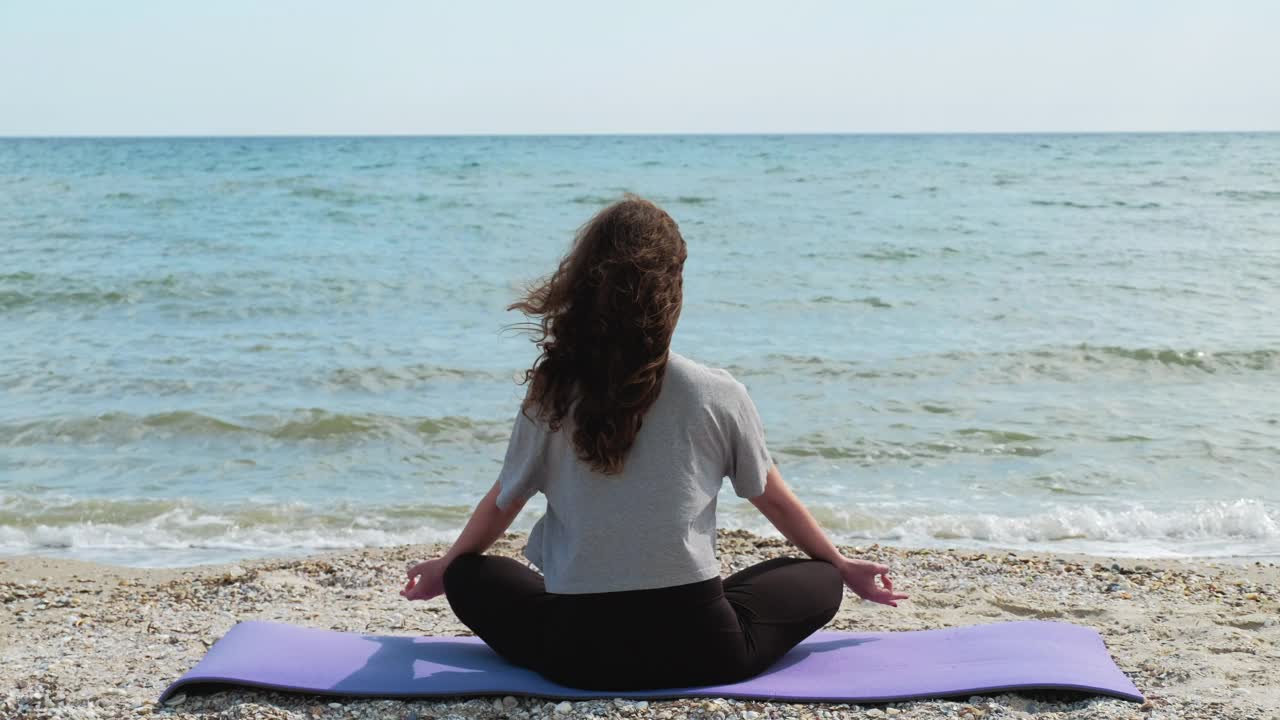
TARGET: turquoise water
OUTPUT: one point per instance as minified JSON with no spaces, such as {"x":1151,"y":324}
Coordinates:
{"x":222,"y":348}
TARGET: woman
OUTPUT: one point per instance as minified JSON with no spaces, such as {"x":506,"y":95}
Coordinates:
{"x":630,"y":443}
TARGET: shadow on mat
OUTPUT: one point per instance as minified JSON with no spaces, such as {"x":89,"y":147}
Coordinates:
{"x":407,"y":664}
{"x":800,"y":652}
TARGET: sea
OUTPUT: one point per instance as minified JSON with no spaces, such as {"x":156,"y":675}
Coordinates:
{"x":215,"y":349}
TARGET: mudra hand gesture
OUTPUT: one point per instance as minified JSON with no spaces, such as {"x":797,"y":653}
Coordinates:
{"x":426,"y":580}
{"x":860,"y":576}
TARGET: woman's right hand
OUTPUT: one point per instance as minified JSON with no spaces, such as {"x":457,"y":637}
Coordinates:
{"x":426,"y":580}
{"x":860,"y":576}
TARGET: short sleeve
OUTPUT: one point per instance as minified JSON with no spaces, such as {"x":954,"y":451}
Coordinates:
{"x":749,"y":461}
{"x":521,"y":475}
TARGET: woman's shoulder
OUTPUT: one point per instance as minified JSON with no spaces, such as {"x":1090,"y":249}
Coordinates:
{"x":705,"y":379}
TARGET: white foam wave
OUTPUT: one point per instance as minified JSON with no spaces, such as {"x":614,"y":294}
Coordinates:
{"x":1242,"y":527}
{"x":186,"y":534}
{"x":1241,"y":520}
{"x":183,"y":536}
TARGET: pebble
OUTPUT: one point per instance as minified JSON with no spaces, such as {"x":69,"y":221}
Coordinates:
{"x":348,"y":587}
{"x":176,"y":700}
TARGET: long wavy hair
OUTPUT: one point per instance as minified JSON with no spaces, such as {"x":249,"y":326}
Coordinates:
{"x":604,"y":321}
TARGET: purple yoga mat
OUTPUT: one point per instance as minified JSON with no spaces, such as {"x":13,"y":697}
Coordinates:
{"x":829,"y":666}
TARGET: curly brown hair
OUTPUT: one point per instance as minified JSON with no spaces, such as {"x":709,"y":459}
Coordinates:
{"x":605,"y":320}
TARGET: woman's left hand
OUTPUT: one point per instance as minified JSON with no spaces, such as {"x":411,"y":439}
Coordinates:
{"x":860,"y":576}
{"x":426,"y":580}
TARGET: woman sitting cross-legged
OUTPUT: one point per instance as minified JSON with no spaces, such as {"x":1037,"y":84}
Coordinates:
{"x":630,"y":443}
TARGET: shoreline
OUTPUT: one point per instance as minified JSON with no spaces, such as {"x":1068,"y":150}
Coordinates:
{"x":1245,"y":564}
{"x":61,"y":554}
{"x":1199,"y":638}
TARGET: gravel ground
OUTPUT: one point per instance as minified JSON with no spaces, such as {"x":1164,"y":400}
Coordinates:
{"x":79,"y":640}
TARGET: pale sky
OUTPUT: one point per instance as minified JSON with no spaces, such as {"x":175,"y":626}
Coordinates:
{"x":284,"y":67}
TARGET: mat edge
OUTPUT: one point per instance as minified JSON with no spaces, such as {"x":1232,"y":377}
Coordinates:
{"x":678,"y":695}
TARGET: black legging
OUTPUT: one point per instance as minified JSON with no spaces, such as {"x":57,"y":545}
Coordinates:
{"x":708,"y":632}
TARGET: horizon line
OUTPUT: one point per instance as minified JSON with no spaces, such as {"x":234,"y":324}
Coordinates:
{"x":390,"y":135}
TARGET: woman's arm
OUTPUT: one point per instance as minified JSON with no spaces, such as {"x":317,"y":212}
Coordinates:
{"x":487,"y":523}
{"x":792,"y":519}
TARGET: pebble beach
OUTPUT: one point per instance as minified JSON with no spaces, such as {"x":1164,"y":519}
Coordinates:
{"x":82,"y":640}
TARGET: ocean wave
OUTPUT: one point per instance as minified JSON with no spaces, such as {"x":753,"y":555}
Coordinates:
{"x":379,"y":379}
{"x":971,"y":441}
{"x":1096,"y":206}
{"x":1238,"y":520}
{"x":183,"y":532}
{"x":592,"y":200}
{"x":185,"y":535}
{"x":1208,"y":361}
{"x":298,"y":425}
{"x":343,"y":198}
{"x":1241,"y":527}
{"x":26,"y":511}
{"x":891,"y":254}
{"x":14,"y":299}
{"x":36,"y":380}
{"x":269,"y":292}
{"x":176,"y":532}
{"x":872,"y":301}
{"x":1059,"y":363}
{"x":1250,"y":195}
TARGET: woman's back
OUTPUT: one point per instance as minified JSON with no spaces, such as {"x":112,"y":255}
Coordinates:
{"x":652,"y":525}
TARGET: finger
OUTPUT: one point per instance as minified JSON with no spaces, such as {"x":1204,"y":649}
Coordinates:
{"x":889,"y":598}
{"x":886,"y":581}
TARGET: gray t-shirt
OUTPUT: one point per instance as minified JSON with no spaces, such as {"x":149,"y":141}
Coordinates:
{"x":654,"y":524}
